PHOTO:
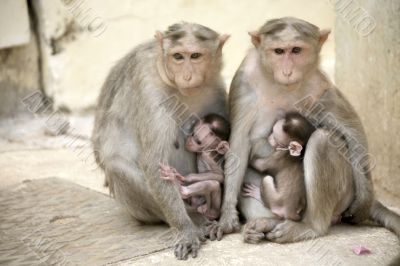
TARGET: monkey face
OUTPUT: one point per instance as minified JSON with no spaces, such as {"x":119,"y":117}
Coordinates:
{"x":188,"y":67}
{"x":202,"y":138}
{"x":188,"y":57}
{"x":278,"y":138}
{"x":288,"y":56}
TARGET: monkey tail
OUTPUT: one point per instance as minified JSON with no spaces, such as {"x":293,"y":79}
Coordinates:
{"x":385,"y":217}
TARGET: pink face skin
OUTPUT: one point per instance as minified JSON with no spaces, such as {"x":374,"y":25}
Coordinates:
{"x":278,"y":138}
{"x":288,"y":60}
{"x":202,"y":139}
{"x":188,"y":67}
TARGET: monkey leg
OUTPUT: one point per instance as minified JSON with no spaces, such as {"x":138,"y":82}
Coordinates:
{"x":249,"y":207}
{"x":329,"y":188}
{"x":201,"y":188}
{"x":259,"y":219}
{"x":128,"y":186}
{"x":211,"y":190}
{"x":269,"y":190}
{"x":216,"y":198}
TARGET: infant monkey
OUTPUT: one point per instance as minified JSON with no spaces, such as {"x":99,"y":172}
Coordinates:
{"x":282,"y":190}
{"x":203,"y":190}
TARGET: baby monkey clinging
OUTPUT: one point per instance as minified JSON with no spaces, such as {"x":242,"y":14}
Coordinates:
{"x":282,"y":188}
{"x":202,"y":190}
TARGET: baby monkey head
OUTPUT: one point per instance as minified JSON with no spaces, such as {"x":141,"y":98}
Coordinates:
{"x":209,"y":134}
{"x":293,"y":129}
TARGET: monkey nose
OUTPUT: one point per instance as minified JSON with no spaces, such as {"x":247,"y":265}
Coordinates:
{"x":187,"y":77}
{"x":287,"y":73}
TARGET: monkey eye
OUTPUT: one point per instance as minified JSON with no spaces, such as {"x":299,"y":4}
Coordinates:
{"x":279,"y":51}
{"x":296,"y":50}
{"x":195,"y":55}
{"x":177,"y":56}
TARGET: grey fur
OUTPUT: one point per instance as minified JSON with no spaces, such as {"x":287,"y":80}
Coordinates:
{"x":135,"y":129}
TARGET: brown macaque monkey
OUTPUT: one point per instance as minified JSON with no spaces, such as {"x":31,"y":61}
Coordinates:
{"x":281,"y":74}
{"x":203,"y":189}
{"x":282,"y":189}
{"x":147,"y":106}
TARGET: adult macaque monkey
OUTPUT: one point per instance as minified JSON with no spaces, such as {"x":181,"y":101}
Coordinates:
{"x":149,"y":101}
{"x":278,"y":75}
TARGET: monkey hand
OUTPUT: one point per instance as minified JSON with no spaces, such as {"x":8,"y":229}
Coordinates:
{"x":188,"y":242}
{"x":228,"y":223}
{"x":167,"y":172}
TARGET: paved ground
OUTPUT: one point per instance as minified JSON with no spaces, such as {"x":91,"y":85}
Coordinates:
{"x":29,"y":150}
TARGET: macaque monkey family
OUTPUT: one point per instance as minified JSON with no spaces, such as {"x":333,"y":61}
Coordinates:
{"x":285,"y":149}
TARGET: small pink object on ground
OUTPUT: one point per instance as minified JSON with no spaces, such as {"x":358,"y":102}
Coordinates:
{"x":360,"y":250}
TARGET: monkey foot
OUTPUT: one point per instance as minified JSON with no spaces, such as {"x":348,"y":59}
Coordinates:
{"x":188,"y":243}
{"x":290,"y":231}
{"x":227,"y":224}
{"x":254,"y":230}
{"x":253,"y":236}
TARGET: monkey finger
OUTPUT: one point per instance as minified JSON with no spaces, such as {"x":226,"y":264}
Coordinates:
{"x":180,"y":177}
{"x":245,"y":190}
{"x":248,"y":186}
{"x":220,"y":233}
{"x":177,"y":251}
{"x":274,"y":234}
{"x":194,"y":253}
{"x":202,"y":238}
{"x":163,"y":171}
{"x":181,"y":252}
{"x":195,"y":249}
{"x":213,"y":232}
{"x":253,"y":237}
{"x":252,"y":186}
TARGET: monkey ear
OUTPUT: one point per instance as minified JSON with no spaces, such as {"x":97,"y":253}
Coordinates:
{"x":159,"y":37}
{"x":222,"y":39}
{"x":295,"y":148}
{"x":323,"y":36}
{"x":222,"y":147}
{"x":255,"y":38}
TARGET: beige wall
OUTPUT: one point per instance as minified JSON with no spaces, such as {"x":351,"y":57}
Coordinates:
{"x":367,"y":70}
{"x":83,"y":52}
{"x":14,"y":31}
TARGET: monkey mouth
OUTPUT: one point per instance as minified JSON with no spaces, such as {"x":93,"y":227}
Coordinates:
{"x":190,"y":91}
{"x":289,"y":82}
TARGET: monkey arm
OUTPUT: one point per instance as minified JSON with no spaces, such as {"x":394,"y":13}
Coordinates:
{"x":208,"y":169}
{"x":263,"y":164}
{"x":209,"y":175}
{"x":243,"y":113}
